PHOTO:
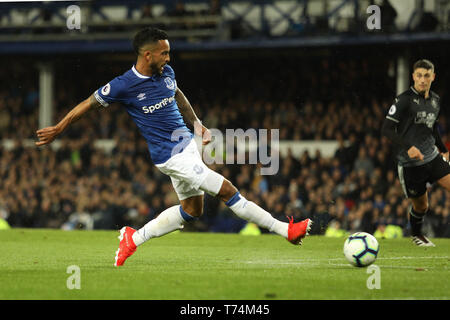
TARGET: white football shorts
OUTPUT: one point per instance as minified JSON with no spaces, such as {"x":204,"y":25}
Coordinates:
{"x":189,"y":174}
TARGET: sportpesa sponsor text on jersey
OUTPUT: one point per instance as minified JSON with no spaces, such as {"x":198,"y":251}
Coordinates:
{"x":150,"y":101}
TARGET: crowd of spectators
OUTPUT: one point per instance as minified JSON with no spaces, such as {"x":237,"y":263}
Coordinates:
{"x":78,"y":185}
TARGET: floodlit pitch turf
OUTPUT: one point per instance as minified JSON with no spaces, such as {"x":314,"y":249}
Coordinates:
{"x":190,"y":266}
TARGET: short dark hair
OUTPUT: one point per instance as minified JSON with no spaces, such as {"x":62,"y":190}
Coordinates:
{"x":148,"y":35}
{"x":423,"y":63}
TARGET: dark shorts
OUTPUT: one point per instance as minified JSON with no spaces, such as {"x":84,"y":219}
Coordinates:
{"x":414,"y":179}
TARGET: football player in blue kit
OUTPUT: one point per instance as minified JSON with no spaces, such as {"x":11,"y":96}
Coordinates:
{"x":151,"y":96}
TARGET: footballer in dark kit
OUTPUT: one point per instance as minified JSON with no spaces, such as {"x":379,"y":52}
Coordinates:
{"x":412,"y":125}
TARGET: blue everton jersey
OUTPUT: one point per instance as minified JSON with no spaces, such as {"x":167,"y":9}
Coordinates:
{"x":150,"y":101}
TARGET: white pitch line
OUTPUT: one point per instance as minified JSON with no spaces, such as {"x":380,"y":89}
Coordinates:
{"x":383,"y":266}
{"x":401,"y":258}
{"x":387,"y":258}
{"x":315,"y":262}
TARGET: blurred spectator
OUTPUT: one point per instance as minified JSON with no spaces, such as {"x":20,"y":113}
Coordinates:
{"x":388,"y":232}
{"x":335,"y":231}
{"x":147,"y":11}
{"x":179,"y":10}
{"x":363,"y":163}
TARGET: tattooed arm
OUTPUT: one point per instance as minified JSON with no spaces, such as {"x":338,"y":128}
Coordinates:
{"x":188,"y":112}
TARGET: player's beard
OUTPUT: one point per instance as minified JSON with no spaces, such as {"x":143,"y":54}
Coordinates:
{"x":155,"y":69}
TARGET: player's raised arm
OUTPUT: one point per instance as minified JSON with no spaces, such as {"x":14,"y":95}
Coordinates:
{"x":188,"y":112}
{"x":48,"y":134}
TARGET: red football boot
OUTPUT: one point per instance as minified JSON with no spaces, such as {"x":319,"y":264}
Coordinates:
{"x":126,"y":246}
{"x":297,"y":231}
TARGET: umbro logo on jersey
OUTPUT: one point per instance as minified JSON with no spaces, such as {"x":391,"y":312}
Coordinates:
{"x":416,"y":101}
{"x":141,"y":96}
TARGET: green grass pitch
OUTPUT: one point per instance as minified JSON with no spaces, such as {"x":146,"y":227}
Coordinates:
{"x":213,"y":266}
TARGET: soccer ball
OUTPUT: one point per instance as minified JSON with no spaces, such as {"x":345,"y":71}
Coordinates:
{"x":361,"y":249}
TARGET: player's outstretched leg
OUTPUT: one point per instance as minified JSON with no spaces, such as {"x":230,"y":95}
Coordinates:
{"x":217,"y":185}
{"x":250,"y":211}
{"x":169,"y":220}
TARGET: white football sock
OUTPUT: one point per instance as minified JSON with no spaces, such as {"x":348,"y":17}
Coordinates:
{"x":167,"y":221}
{"x":251,"y":212}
